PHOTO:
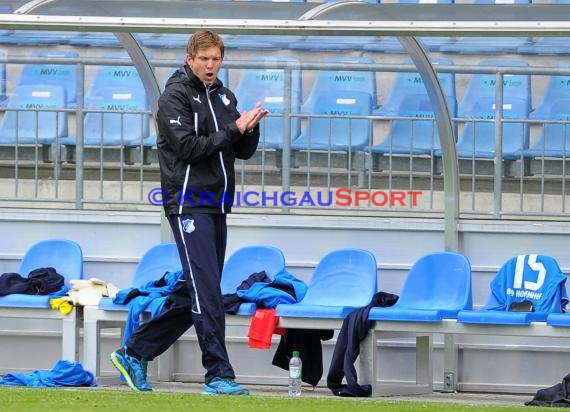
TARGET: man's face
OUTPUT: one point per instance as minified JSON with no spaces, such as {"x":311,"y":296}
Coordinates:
{"x":206,"y":64}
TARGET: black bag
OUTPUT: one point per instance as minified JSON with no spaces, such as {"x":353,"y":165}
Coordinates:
{"x":41,"y":281}
{"x":557,"y":395}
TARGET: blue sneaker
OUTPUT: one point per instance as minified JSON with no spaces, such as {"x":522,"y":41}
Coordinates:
{"x":131,"y":369}
{"x":224,"y":386}
{"x":144,"y":366}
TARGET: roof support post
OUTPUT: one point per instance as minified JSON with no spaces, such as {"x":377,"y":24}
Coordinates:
{"x":446,"y":136}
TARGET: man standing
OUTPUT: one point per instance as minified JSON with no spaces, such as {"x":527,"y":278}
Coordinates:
{"x":201,"y":133}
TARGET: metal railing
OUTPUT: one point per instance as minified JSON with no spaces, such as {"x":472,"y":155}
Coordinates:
{"x":97,"y":178}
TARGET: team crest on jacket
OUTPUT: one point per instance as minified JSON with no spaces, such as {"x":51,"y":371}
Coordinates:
{"x":225,"y":100}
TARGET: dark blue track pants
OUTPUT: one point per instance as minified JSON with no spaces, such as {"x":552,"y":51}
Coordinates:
{"x":195,"y":301}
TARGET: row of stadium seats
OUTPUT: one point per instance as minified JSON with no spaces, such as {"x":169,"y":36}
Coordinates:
{"x":35,"y":109}
{"x":337,"y":110}
{"x":346,"y":280}
{"x":332,"y":295}
{"x":377,"y":44}
{"x":353,"y":93}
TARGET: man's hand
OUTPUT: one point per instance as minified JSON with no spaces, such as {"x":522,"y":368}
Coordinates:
{"x":249,"y":119}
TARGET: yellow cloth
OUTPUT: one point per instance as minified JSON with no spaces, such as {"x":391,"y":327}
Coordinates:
{"x":61,"y":304}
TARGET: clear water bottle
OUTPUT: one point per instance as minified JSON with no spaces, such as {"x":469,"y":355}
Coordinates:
{"x":295,"y":374}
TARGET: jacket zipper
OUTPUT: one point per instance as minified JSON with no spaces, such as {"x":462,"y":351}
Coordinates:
{"x":187,"y":175}
{"x":221,"y":156}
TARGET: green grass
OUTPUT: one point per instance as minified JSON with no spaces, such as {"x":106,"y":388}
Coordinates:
{"x":77,"y":400}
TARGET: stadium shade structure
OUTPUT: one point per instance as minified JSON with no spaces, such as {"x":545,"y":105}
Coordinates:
{"x":339,"y":18}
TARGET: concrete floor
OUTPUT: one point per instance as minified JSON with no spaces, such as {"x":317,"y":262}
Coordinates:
{"x":261,"y":390}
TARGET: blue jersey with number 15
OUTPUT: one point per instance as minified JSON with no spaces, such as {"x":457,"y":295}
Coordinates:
{"x":534,"y":278}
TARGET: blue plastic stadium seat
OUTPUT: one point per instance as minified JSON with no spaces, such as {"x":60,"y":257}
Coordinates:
{"x":268,"y":87}
{"x":119,"y":128}
{"x":65,"y":256}
{"x":558,"y":319}
{"x":533,"y":279}
{"x":94,"y":39}
{"x":548,"y":45}
{"x":554,"y":138}
{"x":332,"y":43}
{"x":488,"y":45}
{"x":411,"y":83}
{"x":117,"y":88}
{"x":261,"y":41}
{"x":389,"y":44}
{"x":142,"y":38}
{"x":246,"y":261}
{"x":477,"y":139}
{"x":339,"y":92}
{"x":4,"y":35}
{"x":155,"y":262}
{"x":40,"y":37}
{"x":384,"y":44}
{"x":408,"y":98}
{"x":63,"y":75}
{"x":482,"y":86}
{"x":340,"y":131}
{"x":120,"y":75}
{"x":349,"y":80}
{"x":168,"y":41}
{"x":21,"y":124}
{"x":343,"y":281}
{"x":437,"y":287}
{"x":557,"y":88}
{"x":411,"y":136}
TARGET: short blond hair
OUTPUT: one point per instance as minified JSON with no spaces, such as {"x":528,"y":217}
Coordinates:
{"x":204,"y":39}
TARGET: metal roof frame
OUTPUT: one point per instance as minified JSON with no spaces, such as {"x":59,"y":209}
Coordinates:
{"x":344,"y":17}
